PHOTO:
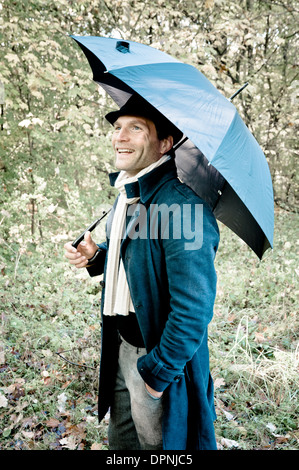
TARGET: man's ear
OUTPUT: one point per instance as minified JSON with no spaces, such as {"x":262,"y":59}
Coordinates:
{"x":166,"y":144}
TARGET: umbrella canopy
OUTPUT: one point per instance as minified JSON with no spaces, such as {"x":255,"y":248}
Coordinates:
{"x":220,"y":159}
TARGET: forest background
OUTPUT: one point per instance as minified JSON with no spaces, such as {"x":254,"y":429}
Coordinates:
{"x":55,"y":156}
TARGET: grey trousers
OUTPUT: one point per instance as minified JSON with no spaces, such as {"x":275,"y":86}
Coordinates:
{"x":135,"y":415}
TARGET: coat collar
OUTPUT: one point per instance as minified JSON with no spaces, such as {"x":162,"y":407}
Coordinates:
{"x":148,"y":184}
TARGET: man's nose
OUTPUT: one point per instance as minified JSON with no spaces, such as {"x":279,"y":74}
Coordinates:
{"x":123,"y":134}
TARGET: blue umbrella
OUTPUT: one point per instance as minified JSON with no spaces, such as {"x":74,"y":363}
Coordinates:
{"x":218,"y":158}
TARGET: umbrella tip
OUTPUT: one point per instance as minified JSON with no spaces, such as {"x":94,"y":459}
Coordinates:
{"x":122,"y":46}
{"x":239,"y":91}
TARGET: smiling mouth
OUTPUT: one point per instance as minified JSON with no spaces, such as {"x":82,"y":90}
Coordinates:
{"x":124,"y":151}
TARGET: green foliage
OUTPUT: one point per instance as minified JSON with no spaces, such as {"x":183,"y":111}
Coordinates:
{"x":53,"y":150}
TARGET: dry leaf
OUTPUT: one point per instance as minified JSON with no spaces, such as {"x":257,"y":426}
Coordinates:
{"x":228,"y":443}
{"x":28,"y":434}
{"x":62,"y":398}
{"x":282,"y":439}
{"x":209,"y":3}
{"x":96,"y":446}
{"x":2,"y":356}
{"x":228,"y":415}
{"x":219,"y":383}
{"x":3,"y":401}
{"x":69,"y":442}
{"x":19,"y":380}
{"x":52,"y":423}
{"x":259,"y":338}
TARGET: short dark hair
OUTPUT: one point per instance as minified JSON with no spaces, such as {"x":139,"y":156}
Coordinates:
{"x":164,"y":133}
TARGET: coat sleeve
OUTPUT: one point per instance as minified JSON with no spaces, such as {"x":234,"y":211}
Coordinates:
{"x":192,"y":290}
{"x":98,"y":268}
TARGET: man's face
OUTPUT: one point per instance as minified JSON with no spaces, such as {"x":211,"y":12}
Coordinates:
{"x":136,"y":144}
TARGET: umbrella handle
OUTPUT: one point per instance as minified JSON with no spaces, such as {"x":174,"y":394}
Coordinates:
{"x":89,"y":229}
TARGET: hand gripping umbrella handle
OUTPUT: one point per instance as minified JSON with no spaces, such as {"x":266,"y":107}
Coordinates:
{"x":89,"y":229}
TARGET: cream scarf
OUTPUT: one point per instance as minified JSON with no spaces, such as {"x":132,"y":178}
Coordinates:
{"x":117,"y":295}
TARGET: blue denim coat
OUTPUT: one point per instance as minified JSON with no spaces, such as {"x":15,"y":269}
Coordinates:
{"x":173,"y":290}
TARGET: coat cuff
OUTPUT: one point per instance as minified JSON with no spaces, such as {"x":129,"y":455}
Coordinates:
{"x":98,"y":267}
{"x":155,"y":373}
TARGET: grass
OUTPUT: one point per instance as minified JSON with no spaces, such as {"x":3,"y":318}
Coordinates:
{"x":254,"y":343}
{"x":47,"y":307}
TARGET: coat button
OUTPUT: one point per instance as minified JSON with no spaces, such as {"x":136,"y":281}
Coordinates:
{"x":102,"y":284}
{"x":177,"y":378}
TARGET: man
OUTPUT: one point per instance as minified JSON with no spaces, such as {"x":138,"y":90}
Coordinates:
{"x":158,"y":293}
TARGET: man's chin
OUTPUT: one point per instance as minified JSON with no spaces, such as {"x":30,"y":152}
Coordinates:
{"x":122,"y":165}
